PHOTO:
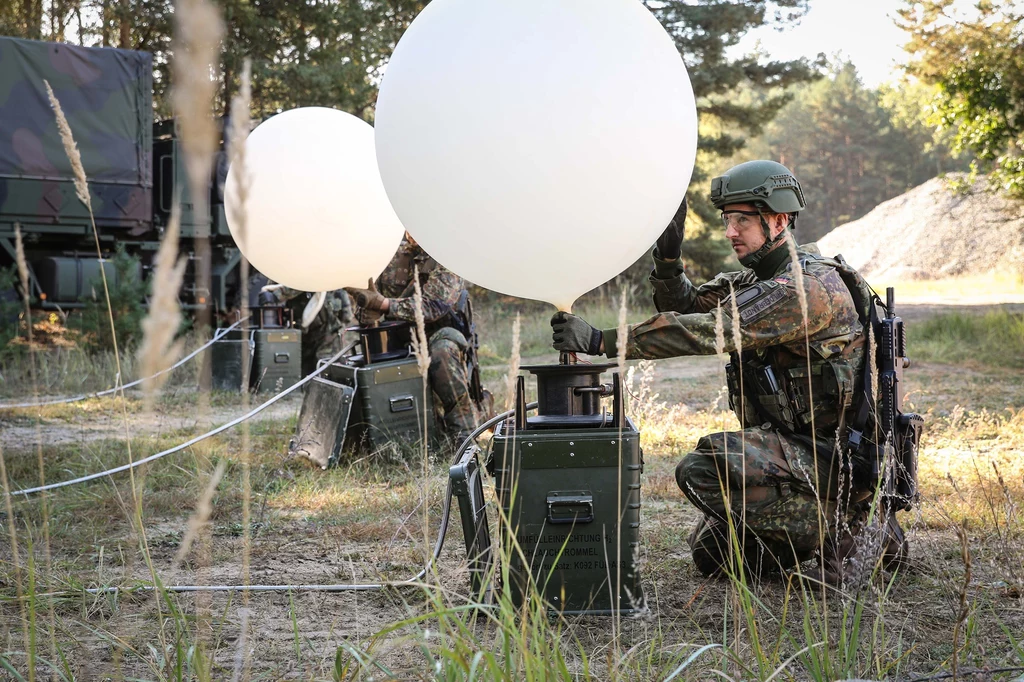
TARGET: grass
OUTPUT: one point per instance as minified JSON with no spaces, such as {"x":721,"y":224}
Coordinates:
{"x":995,"y":339}
{"x":361,"y":523}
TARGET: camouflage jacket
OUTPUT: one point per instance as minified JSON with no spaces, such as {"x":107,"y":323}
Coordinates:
{"x":441,"y":288}
{"x":818,"y":389}
{"x":334,"y":316}
{"x":769,"y":311}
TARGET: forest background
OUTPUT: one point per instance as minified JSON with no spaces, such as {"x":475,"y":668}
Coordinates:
{"x":957,"y":105}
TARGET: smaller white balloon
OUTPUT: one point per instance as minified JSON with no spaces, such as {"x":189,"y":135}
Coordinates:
{"x":317,"y":217}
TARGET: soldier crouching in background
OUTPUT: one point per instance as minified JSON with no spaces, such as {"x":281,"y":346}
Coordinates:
{"x":781,"y":482}
{"x":324,"y":315}
{"x":454,"y":374}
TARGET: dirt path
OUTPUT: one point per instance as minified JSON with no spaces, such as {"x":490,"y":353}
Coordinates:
{"x":84,"y":423}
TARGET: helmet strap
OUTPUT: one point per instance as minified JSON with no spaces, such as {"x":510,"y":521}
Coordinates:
{"x":752,"y":259}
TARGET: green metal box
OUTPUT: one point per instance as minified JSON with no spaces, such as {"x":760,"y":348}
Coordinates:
{"x":571,"y":492}
{"x":275,"y":357}
{"x":363,"y":405}
{"x":389,"y":403}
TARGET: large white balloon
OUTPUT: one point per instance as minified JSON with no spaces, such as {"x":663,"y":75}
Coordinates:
{"x":536,"y":147}
{"x":317,"y":215}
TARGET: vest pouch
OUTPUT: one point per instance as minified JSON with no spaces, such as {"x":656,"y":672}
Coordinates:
{"x":830,"y":392}
{"x":773,"y":403}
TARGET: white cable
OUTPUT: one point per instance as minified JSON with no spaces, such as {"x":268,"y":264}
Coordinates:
{"x":179,"y":448}
{"x":78,"y":398}
{"x":411,"y":582}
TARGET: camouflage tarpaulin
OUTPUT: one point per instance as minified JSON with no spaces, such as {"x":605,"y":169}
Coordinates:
{"x":106,"y":95}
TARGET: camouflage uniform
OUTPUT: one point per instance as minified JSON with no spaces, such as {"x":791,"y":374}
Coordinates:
{"x":444,"y":294}
{"x":771,"y":474}
{"x":322,"y":338}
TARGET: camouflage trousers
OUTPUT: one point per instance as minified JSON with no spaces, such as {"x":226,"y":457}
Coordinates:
{"x":779,"y":501}
{"x":449,"y":380}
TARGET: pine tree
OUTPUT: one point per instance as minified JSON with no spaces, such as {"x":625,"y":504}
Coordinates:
{"x":736,"y":97}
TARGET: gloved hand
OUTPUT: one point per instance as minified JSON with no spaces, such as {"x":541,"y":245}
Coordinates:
{"x":671,"y":240}
{"x":370,"y":302}
{"x":268,"y":294}
{"x":571,"y":334}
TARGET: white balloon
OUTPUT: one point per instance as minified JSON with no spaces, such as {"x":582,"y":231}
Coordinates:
{"x":536,"y":147}
{"x":317,"y":215}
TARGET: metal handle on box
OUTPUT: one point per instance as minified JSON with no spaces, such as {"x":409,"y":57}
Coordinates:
{"x":281,"y":358}
{"x":570,"y":509}
{"x":402,"y":403}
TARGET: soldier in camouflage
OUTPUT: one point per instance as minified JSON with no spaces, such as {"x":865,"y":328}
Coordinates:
{"x":325,"y":316}
{"x":780,"y":482}
{"x":447,"y":314}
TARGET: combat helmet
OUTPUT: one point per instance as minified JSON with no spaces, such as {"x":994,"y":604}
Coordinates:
{"x":765,"y":184}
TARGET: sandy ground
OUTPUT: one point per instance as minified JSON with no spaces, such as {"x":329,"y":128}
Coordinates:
{"x":111,"y":424}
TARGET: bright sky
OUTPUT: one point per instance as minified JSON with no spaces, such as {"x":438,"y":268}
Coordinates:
{"x":862,"y":30}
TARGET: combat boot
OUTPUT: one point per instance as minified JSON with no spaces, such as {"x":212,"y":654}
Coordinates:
{"x":895,"y":546}
{"x":835,"y":559}
{"x":713,"y":551}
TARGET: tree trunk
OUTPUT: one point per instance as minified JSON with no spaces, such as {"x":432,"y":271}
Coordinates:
{"x":81,"y":30}
{"x":32,"y":15}
{"x":106,"y":22}
{"x":126,"y":25}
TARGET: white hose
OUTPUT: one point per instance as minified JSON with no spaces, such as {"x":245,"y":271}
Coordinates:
{"x":220,"y":429}
{"x":411,"y":582}
{"x":78,"y":398}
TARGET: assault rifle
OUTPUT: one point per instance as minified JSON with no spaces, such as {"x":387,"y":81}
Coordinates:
{"x":882,"y":438}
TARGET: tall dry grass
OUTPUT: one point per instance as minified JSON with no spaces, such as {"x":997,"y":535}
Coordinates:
{"x":198,"y":30}
{"x":159,"y":349}
{"x":241,"y":123}
{"x":44,"y":501}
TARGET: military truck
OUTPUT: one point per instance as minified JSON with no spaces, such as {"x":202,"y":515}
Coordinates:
{"x":134,"y":167}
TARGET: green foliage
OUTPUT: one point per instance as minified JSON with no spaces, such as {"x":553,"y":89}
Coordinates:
{"x":853,"y":147}
{"x":995,"y":339}
{"x":10,"y":308}
{"x":127,"y":303}
{"x":977,"y":63}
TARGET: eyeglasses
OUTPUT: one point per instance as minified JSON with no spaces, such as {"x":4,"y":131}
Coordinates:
{"x":739,"y":219}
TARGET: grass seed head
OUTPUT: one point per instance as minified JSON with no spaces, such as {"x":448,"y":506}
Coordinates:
{"x":419,"y":343}
{"x":734,"y":310}
{"x":719,"y":330}
{"x":19,"y":249}
{"x":623,"y":332}
{"x":198,"y":30}
{"x":241,"y":123}
{"x":514,"y":361}
{"x":798,"y":275}
{"x":159,"y":350}
{"x":71,"y":149}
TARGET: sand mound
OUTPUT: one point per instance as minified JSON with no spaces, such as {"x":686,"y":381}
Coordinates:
{"x":931,"y":232}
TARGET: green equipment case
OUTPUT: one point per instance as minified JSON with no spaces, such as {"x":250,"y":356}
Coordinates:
{"x":568,"y":481}
{"x":273,"y":353}
{"x":367,"y":404}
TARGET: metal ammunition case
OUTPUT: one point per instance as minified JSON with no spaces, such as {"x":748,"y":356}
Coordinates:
{"x":568,"y":481}
{"x":275,"y":357}
{"x":389,"y":403}
{"x":573,"y":499}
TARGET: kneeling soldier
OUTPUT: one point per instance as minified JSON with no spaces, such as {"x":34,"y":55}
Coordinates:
{"x":454,"y":374}
{"x":780,"y":481}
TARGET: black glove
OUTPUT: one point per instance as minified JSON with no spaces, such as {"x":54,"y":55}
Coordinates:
{"x":671,"y":240}
{"x":571,"y":334}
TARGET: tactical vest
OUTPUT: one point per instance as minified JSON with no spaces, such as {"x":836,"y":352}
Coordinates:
{"x":782,"y":389}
